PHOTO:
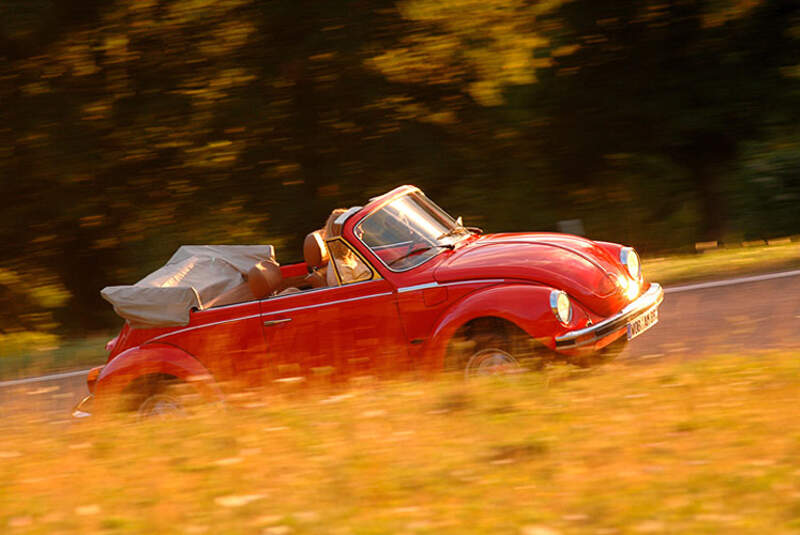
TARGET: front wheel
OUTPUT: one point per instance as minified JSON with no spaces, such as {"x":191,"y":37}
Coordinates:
{"x":491,"y":346}
{"x":491,"y":361}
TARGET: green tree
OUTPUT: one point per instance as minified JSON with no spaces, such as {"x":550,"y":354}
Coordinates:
{"x":688,"y":80}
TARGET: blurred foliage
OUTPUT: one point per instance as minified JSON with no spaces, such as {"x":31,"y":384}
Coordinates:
{"x":129,"y":128}
{"x":17,"y":344}
{"x":768,"y":195}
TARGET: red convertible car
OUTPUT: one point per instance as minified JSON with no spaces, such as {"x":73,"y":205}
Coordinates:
{"x":394,"y":286}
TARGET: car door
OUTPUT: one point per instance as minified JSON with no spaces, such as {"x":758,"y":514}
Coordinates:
{"x":336,"y":332}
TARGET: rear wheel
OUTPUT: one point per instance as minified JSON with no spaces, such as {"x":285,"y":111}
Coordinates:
{"x":161,"y":407}
{"x":160,"y":397}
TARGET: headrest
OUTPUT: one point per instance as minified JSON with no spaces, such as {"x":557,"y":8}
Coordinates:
{"x":315,"y":253}
{"x":264,"y":278}
{"x":332,"y":228}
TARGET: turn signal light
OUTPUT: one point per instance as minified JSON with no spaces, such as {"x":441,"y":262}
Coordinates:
{"x":91,"y":377}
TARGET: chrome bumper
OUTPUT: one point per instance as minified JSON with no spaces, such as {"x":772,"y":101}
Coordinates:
{"x":84,"y":408}
{"x":589,"y":335}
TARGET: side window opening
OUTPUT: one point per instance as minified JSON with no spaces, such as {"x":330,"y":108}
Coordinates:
{"x":349,"y":266}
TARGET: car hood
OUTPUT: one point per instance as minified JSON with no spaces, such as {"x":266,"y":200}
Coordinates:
{"x":576,"y":265}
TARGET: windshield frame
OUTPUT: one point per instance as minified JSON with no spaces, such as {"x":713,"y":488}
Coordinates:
{"x":437,"y":245}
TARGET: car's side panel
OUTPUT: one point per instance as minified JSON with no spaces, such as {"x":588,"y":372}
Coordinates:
{"x":422,"y":305}
{"x":151,"y":359}
{"x":226,"y":340}
{"x":335,"y":332}
{"x":524,"y":305}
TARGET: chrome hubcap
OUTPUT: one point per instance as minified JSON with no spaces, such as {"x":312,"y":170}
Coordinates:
{"x":160,"y":407}
{"x":491,"y":362}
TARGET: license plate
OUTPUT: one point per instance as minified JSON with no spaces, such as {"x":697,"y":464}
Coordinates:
{"x":642,"y":323}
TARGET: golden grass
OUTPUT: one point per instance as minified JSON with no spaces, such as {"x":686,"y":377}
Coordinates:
{"x":705,"y":446}
{"x":722,"y":263}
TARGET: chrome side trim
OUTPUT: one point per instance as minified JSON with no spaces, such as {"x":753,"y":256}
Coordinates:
{"x":195,"y":327}
{"x":418,"y":287}
{"x":350,"y":299}
{"x":458,"y":283}
{"x":282,"y":311}
{"x":648,"y":300}
{"x":445,"y":284}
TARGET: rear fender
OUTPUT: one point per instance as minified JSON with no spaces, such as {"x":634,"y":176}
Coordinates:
{"x":153,"y":359}
{"x":525,"y":305}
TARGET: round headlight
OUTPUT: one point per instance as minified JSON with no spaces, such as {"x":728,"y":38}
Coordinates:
{"x":561,"y":306}
{"x":630,"y":260}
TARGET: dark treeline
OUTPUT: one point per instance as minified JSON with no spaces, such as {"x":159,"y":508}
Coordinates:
{"x":129,"y":128}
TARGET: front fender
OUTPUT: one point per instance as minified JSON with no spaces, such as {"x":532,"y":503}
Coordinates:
{"x":525,"y":305}
{"x":152,"y":359}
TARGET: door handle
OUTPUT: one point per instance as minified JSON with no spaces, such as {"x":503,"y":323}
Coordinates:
{"x":269,"y":323}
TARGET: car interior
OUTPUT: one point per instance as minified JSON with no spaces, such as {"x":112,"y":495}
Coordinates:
{"x":268,"y":278}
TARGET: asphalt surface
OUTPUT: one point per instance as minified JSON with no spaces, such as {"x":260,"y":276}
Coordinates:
{"x":747,"y":317}
{"x":743,"y":315}
{"x":51,"y":398}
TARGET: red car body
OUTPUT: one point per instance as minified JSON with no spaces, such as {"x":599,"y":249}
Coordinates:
{"x":398,"y":321}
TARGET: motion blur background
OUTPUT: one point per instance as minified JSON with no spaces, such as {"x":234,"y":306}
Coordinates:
{"x":129,"y":128}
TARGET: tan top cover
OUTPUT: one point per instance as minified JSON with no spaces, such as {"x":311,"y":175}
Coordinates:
{"x":192,"y":278}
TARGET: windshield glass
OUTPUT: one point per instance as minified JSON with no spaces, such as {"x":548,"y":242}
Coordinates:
{"x":409,"y":231}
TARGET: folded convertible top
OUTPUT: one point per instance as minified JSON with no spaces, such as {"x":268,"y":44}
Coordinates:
{"x":191,"y":279}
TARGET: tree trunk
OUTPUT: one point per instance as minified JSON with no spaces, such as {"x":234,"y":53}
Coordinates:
{"x":711,"y":202}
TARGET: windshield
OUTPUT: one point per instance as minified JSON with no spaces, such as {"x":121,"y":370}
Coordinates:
{"x":409,"y":231}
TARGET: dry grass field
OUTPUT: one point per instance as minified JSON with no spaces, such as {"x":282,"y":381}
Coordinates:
{"x":723,"y":263}
{"x":677,"y":446}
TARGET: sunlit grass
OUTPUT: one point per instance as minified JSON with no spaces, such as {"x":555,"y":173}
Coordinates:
{"x":721,"y":263}
{"x":706,"y":446}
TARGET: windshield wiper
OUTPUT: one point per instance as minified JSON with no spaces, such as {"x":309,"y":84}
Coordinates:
{"x":421,"y":250}
{"x":450,"y":232}
{"x":455,"y":230}
{"x":458,"y":228}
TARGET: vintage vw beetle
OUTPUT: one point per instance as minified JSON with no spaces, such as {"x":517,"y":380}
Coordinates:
{"x":395,"y":286}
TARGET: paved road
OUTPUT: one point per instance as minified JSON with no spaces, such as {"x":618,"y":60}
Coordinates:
{"x":52,"y":397}
{"x":750,"y":314}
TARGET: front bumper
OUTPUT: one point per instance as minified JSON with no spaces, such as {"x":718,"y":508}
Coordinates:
{"x":610,"y":328}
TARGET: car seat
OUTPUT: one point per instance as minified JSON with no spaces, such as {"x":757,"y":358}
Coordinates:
{"x":265,"y":279}
{"x":315,"y":253}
